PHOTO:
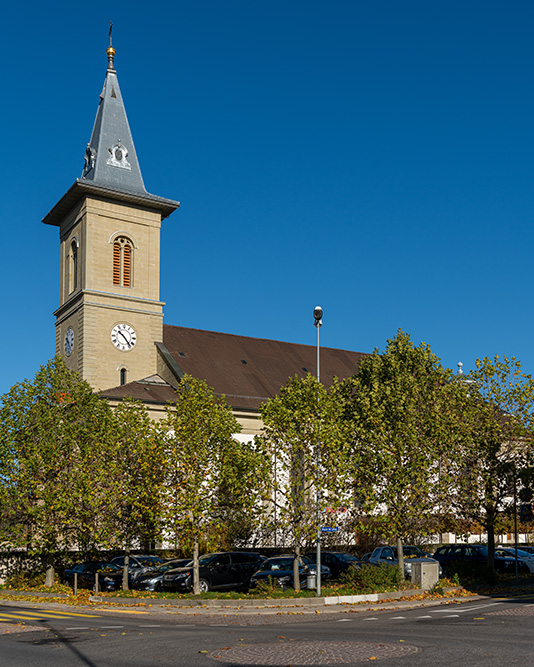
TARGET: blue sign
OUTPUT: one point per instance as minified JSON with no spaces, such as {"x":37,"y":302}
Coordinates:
{"x":329,"y":529}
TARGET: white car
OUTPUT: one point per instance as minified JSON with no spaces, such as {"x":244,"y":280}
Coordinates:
{"x":522,"y":556}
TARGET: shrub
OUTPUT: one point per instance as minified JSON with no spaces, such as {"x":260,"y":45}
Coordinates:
{"x":373,"y":578}
{"x":23,"y":579}
{"x":465,"y":572}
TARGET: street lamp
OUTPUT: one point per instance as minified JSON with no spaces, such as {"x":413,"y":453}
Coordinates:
{"x":318,"y":315}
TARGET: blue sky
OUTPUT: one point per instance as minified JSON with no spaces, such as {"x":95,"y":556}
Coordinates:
{"x":371,"y":157}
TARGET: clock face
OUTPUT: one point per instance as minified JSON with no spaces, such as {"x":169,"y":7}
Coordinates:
{"x":123,"y":337}
{"x":69,"y":341}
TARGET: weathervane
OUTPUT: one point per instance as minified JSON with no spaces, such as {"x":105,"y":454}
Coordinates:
{"x":110,"y":50}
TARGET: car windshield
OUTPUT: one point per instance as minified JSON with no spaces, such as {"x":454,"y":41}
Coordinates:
{"x":410,"y":552}
{"x":348,"y":558}
{"x":205,"y":560}
{"x":149,"y":561}
{"x":170,"y":565}
{"x":510,"y":551}
{"x":274,"y":564}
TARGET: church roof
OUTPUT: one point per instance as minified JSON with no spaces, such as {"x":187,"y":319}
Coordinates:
{"x":246,"y":370}
{"x":111,"y":168}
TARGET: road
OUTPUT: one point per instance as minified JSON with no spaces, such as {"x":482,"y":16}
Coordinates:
{"x":489,"y":632}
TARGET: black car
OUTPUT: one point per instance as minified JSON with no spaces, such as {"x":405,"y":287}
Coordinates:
{"x":216,"y":572}
{"x":138,"y":565}
{"x":477,"y":554}
{"x":151,"y":581}
{"x":280,"y":569}
{"x":337,"y":561}
{"x":109,"y":575}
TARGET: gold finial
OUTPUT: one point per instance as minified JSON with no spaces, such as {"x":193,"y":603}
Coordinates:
{"x":110,"y":50}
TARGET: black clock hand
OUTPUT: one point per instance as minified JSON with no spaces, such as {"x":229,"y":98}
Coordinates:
{"x":125,"y":339}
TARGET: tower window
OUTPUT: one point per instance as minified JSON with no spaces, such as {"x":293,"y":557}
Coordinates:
{"x":122,"y":262}
{"x":124,"y":376}
{"x":73,"y":266}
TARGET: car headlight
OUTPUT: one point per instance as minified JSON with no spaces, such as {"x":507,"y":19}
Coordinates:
{"x":284,"y":580}
{"x":182,"y":576}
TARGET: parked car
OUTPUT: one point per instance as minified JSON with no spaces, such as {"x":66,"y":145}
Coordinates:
{"x":476,"y":554}
{"x":280,"y":569}
{"x":109,"y":575}
{"x":216,"y":572}
{"x":151,"y":580}
{"x":412,"y":554}
{"x":312,"y":567}
{"x":527,"y":548}
{"x":527,"y":558}
{"x":138,"y":565}
{"x":337,"y":561}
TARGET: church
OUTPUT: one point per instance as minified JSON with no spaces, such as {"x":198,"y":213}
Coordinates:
{"x":109,"y":323}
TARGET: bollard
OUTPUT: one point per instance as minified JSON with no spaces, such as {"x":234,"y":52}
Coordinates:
{"x":75,"y":585}
{"x":96,"y":583}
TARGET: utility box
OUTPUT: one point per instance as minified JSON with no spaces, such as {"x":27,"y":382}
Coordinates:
{"x":425,"y":575}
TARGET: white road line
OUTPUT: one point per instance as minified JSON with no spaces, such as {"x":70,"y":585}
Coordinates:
{"x":479,"y":606}
{"x":370,"y":619}
{"x":452,"y":616}
{"x":345,"y":620}
{"x":149,"y":626}
{"x":423,"y":616}
{"x":111,"y":627}
{"x":397,"y":618}
{"x":82,"y":627}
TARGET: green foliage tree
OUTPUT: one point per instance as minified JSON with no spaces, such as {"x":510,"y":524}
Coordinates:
{"x":55,"y":441}
{"x":496,"y":429}
{"x":307,"y":440}
{"x":136,"y":473}
{"x":208,"y":475}
{"x":401,"y":421}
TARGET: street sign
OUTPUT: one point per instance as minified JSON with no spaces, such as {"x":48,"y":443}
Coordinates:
{"x":329,"y":529}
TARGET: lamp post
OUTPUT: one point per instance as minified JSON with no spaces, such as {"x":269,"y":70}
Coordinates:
{"x":318,"y":315}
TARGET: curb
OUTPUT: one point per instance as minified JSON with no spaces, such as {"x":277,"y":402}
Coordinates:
{"x":282,"y":602}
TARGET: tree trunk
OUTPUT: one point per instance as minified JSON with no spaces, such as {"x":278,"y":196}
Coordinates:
{"x":125,"y":569}
{"x":50,"y":573}
{"x":296,"y":573}
{"x":196,"y":576}
{"x":490,"y":529}
{"x":400,"y":557}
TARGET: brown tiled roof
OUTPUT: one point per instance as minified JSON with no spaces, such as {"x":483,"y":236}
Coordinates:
{"x":246,"y":370}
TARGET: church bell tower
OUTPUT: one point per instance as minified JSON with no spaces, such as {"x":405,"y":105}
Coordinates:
{"x":109,"y":316}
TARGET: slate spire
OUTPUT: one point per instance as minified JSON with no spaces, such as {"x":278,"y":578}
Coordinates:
{"x":110,"y":157}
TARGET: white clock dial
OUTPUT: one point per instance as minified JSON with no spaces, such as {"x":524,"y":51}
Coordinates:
{"x":123,"y":337}
{"x":69,"y":341}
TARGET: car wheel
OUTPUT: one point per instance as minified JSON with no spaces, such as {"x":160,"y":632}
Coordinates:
{"x":157,"y":587}
{"x":203,"y":586}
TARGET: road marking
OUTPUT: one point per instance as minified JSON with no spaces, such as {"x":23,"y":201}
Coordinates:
{"x":82,"y":627}
{"x":149,"y":626}
{"x":479,"y":606}
{"x":370,"y":619}
{"x":397,"y":618}
{"x":65,"y":613}
{"x":345,"y":620}
{"x":111,"y":627}
{"x":423,"y":616}
{"x":452,"y":616}
{"x":125,"y":611}
{"x":28,"y":617}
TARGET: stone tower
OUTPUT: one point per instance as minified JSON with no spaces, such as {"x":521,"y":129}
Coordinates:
{"x":109,"y":316}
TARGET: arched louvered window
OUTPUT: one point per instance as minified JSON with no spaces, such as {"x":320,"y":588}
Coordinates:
{"x":122,"y":262}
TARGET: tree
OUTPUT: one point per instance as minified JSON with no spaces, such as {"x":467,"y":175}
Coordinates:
{"x":497,"y":431}
{"x":400,"y":419}
{"x":55,"y":441}
{"x":306,"y":437}
{"x":136,"y":474}
{"x":207,"y":473}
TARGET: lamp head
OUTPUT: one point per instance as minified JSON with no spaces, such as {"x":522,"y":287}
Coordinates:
{"x":318,"y":314}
